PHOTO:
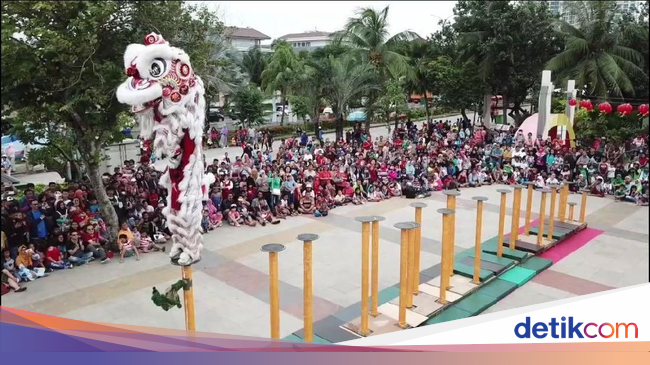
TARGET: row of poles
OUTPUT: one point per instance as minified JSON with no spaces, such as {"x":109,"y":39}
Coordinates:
{"x":410,"y":249}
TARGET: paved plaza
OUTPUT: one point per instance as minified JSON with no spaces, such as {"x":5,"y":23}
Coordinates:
{"x":231,"y":282}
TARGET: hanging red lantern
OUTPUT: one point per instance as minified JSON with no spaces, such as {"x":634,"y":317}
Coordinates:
{"x":586,"y":104}
{"x":644,"y":110}
{"x":573,"y":102}
{"x":624,"y":109}
{"x":629,"y":108}
{"x":605,"y":107}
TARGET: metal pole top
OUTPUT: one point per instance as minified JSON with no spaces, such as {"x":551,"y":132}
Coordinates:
{"x":446,"y":211}
{"x":406,"y":225}
{"x":504,"y":191}
{"x":307,"y":237}
{"x":451,"y":192}
{"x":530,"y":183}
{"x":480,"y":198}
{"x":366,"y":219}
{"x":572,"y":203}
{"x":378,"y":218}
{"x":545,"y":191}
{"x":554,"y":186}
{"x":418,"y":205}
{"x":272,"y":247}
{"x":518,"y":186}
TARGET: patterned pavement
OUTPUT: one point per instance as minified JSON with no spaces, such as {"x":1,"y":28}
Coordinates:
{"x":231,"y":282}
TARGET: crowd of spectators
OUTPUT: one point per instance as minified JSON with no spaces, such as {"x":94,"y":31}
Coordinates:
{"x":62,"y":227}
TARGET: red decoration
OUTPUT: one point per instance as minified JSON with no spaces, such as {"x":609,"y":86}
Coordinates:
{"x":175,"y":97}
{"x":644,"y":110}
{"x":586,"y":104}
{"x":184,"y":89}
{"x":167,"y":90}
{"x":605,"y":107}
{"x":573,"y":102}
{"x":624,"y":109}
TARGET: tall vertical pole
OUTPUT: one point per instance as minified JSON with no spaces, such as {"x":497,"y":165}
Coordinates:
{"x":583,"y":206}
{"x":403,"y":271}
{"x":365,"y":251}
{"x":542,"y":217}
{"x":411,"y":274}
{"x":188,"y":298}
{"x":418,"y":246}
{"x":274,"y":288}
{"x":502,"y":220}
{"x":564,"y":196}
{"x":516,"y":211}
{"x":571,"y":208}
{"x":446,"y":254}
{"x":477,"y":243}
{"x":308,"y":306}
{"x":451,"y":204}
{"x":551,"y":214}
{"x":529,"y":207}
{"x":374,"y":279}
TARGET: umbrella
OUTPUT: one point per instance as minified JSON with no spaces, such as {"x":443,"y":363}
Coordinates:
{"x":358,"y":116}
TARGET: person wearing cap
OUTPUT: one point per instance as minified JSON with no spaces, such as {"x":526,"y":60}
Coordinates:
{"x":6,"y":165}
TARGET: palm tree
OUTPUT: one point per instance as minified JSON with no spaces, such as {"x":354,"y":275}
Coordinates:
{"x":419,"y":80}
{"x":349,"y":80}
{"x":254,"y":63}
{"x":593,"y":54}
{"x":281,"y":72}
{"x":367,"y":35}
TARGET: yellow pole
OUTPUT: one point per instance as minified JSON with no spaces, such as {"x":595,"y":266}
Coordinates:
{"x":583,"y":206}
{"x":551,"y":214}
{"x":365,"y":252}
{"x":451,"y":204}
{"x":188,"y":298}
{"x":418,"y":246}
{"x":374,"y":280}
{"x":564,"y":197}
{"x":542,"y":216}
{"x":502,"y":220}
{"x":444,"y":270}
{"x":308,"y":288}
{"x":477,"y":242}
{"x":516,"y":211}
{"x":403,"y":272}
{"x":411,"y":273}
{"x":529,"y":208}
{"x":571,"y":206}
{"x":274,"y":288}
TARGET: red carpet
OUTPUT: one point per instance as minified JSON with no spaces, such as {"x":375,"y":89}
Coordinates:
{"x":571,"y":244}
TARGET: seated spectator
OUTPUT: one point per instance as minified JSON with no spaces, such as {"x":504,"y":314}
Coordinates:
{"x":127,"y":248}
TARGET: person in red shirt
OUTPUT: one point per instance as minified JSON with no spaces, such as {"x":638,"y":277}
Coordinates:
{"x":54,"y":259}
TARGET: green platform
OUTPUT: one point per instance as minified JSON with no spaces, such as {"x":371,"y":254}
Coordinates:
{"x":468,"y":271}
{"x":476,"y":303}
{"x":537,"y":264}
{"x":293,"y":337}
{"x":493,"y":258}
{"x":518,"y":275}
{"x":558,"y":233}
{"x":490,"y":247}
{"x":449,"y":314}
{"x":498,"y":288}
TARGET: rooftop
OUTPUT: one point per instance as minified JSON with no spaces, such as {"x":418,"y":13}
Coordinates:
{"x":235,"y":32}
{"x":305,"y":35}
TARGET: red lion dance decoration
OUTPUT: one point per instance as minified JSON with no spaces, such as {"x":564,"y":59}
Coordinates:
{"x":167,"y":99}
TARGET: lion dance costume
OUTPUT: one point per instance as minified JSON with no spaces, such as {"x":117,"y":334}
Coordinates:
{"x":167,"y":99}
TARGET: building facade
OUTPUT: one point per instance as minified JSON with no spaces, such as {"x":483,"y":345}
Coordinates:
{"x":561,"y":8}
{"x":243,"y":39}
{"x":307,"y":41}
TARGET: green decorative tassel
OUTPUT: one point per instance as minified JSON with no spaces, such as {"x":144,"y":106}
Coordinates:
{"x":171,"y":298}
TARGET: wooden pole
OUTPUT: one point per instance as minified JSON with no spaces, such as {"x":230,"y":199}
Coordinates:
{"x":571,"y":206}
{"x":477,"y":243}
{"x":564,"y":197}
{"x":365,"y":252}
{"x":583,"y":206}
{"x":451,"y":204}
{"x":274,"y":289}
{"x":308,"y":306}
{"x":374,"y":280}
{"x":446,"y":254}
{"x":529,"y":208}
{"x":403,"y":272}
{"x":542,"y":216}
{"x":551,"y":214}
{"x":411,"y":271}
{"x":516,"y":211}
{"x":418,"y":246}
{"x":188,"y":298}
{"x":502,"y":221}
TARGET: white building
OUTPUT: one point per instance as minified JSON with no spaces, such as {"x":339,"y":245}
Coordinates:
{"x":243,"y":39}
{"x":559,"y":7}
{"x":307,"y":41}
